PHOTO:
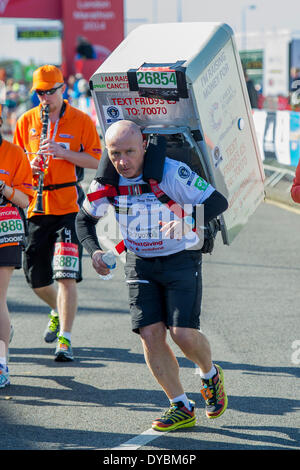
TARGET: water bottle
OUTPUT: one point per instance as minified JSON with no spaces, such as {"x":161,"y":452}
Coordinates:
{"x":109,"y":259}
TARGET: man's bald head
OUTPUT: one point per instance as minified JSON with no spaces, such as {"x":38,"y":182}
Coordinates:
{"x":123,"y":129}
{"x":126,"y":148}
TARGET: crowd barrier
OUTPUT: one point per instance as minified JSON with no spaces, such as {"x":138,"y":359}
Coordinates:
{"x":278,"y":135}
{"x":278,"y":132}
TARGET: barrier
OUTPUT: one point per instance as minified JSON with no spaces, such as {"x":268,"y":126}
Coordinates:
{"x":278,"y":135}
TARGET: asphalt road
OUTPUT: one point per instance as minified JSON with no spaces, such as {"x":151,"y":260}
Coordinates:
{"x":107,"y":396}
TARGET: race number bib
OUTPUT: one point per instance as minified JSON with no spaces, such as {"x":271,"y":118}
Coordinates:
{"x":11,"y":226}
{"x":66,"y":257}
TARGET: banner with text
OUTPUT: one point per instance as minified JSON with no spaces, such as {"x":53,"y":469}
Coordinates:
{"x":92,"y":30}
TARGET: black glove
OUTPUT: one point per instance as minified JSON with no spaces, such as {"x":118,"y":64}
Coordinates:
{"x":210,"y":232}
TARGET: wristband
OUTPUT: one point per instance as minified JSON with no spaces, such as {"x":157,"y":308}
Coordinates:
{"x":189,"y":220}
{"x":12,"y":194}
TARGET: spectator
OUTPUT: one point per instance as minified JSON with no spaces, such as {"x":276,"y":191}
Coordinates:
{"x":72,"y":143}
{"x":251,"y":91}
{"x":84,"y":49}
{"x":15,"y":194}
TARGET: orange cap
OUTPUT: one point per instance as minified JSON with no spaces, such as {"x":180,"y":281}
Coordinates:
{"x":46,"y":77}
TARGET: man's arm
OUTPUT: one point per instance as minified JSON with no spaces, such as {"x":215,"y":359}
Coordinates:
{"x":81,"y":159}
{"x":86,"y":233}
{"x":214,"y":205}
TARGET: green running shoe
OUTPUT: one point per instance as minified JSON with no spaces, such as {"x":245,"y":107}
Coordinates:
{"x":63,"y":351}
{"x":213,"y":391}
{"x":52,"y":329}
{"x":177,"y":416}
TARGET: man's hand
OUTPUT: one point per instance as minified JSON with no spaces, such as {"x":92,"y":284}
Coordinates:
{"x":98,"y":264}
{"x":37,"y":165}
{"x":51,"y":147}
{"x":175,"y":229}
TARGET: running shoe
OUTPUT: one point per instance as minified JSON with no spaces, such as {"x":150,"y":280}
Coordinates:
{"x":52,"y":329}
{"x":213,"y":391}
{"x":63,"y":351}
{"x":177,"y":416}
{"x":4,"y":376}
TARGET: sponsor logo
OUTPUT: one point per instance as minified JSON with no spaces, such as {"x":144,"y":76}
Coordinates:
{"x":191,"y":178}
{"x":201,"y":184}
{"x":11,"y":239}
{"x":7,"y":213}
{"x":60,"y":274}
{"x":183,"y":172}
{"x":113,"y":112}
{"x":217,"y":156}
{"x":4,"y":172}
{"x":66,"y":136}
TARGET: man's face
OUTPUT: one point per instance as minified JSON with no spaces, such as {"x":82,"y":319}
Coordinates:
{"x":55,"y":100}
{"x":127,"y":154}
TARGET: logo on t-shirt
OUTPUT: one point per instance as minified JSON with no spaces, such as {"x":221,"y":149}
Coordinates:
{"x":201,"y":184}
{"x":183,"y":172}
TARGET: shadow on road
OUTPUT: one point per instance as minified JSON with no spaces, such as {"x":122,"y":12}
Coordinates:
{"x":15,"y":307}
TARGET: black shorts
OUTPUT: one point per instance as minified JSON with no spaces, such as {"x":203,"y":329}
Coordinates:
{"x":53,"y":251}
{"x":165,"y":288}
{"x":11,"y":256}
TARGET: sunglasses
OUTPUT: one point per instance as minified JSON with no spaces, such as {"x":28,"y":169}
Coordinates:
{"x":48,"y":92}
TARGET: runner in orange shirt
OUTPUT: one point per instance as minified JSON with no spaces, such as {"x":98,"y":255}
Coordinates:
{"x":15,"y":194}
{"x":53,"y":251}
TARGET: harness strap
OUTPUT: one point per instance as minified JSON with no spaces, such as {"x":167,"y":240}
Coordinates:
{"x":164,"y":199}
{"x":112,"y":191}
{"x":135,"y":190}
{"x":52,"y":187}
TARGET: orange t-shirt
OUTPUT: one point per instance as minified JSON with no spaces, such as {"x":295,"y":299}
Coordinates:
{"x":77,"y":132}
{"x":15,"y":170}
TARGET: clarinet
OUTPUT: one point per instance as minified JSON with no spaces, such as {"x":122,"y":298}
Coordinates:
{"x":38,"y":208}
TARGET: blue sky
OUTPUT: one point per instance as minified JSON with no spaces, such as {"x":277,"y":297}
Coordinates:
{"x":268,"y":14}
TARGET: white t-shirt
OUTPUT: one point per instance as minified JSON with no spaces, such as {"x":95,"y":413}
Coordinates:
{"x":139,"y":216}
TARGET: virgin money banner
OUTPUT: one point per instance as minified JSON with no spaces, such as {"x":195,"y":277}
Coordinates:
{"x":92,"y":27}
{"x":49,"y":9}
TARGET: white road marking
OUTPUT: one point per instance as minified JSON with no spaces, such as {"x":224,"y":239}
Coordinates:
{"x":140,"y":440}
{"x":283,"y":206}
